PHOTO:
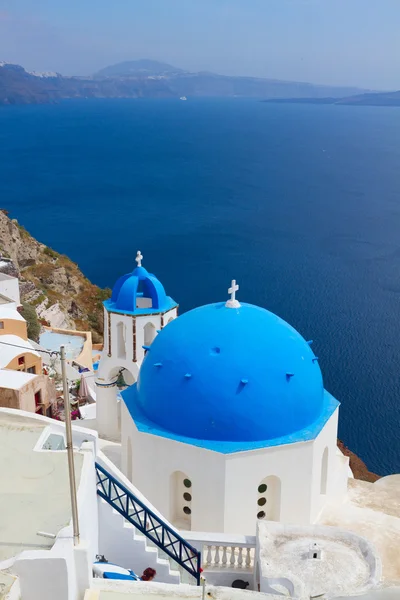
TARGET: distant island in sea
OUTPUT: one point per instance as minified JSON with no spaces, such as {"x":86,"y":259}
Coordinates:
{"x":376,"y":99}
{"x":153,"y":79}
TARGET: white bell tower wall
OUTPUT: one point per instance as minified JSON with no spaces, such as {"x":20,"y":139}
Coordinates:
{"x":123,"y":352}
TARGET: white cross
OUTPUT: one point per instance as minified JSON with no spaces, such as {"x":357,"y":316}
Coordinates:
{"x":233,"y":303}
{"x":139,"y":258}
{"x":232,"y":290}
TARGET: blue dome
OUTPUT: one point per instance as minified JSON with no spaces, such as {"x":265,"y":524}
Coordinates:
{"x":131,"y":291}
{"x":229,"y":374}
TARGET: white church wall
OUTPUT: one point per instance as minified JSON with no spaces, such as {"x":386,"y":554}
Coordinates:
{"x":124,"y":338}
{"x":329,"y":468}
{"x":170,"y":316}
{"x":246,"y":471}
{"x":111,"y":468}
{"x":224,"y":492}
{"x":107,"y":410}
{"x":156,"y":459}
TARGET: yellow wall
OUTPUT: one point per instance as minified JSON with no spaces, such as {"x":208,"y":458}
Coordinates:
{"x":12,"y":327}
{"x":31,"y":360}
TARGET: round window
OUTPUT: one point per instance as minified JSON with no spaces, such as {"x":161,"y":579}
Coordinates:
{"x":187,"y":510}
{"x":187,"y":483}
{"x":261,"y":501}
{"x":187,"y":497}
{"x":261,"y":515}
{"x":262,"y":488}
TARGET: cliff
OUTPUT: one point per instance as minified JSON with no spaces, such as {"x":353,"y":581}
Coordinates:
{"x":149,"y":79}
{"x":358,"y":467}
{"x":50,"y":282}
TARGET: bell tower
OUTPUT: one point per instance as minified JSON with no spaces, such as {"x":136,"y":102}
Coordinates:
{"x":137,"y":310}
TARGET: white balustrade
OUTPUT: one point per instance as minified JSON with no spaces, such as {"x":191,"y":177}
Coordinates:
{"x":224,"y":551}
{"x":230,"y":557}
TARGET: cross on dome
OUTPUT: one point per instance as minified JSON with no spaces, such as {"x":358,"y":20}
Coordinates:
{"x":139,"y":258}
{"x":233,"y":303}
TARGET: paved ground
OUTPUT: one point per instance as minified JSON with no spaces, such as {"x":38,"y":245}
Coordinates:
{"x":105,"y":590}
{"x":341,"y":570}
{"x":372,"y":510}
{"x":34,"y":489}
{"x":389,"y":594}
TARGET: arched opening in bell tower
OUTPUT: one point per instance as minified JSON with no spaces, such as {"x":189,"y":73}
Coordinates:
{"x":150,"y":333}
{"x":121,"y":340}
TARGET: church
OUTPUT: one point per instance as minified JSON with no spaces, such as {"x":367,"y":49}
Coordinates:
{"x":225,"y":421}
{"x":211,"y":460}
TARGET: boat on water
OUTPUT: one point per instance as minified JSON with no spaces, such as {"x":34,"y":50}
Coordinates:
{"x":183,"y":98}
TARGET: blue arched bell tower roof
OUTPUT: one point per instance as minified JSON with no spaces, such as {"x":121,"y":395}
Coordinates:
{"x":230,"y":377}
{"x":139,"y":292}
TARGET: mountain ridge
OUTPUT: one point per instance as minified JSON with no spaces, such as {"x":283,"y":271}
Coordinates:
{"x":150,"y":79}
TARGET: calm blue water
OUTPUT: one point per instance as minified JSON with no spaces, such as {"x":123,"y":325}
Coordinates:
{"x":301,"y":204}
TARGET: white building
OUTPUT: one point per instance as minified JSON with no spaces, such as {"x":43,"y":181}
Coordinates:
{"x":228,"y":422}
{"x":9,"y":289}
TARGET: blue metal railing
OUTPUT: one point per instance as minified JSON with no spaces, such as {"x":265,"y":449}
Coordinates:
{"x":148,"y":523}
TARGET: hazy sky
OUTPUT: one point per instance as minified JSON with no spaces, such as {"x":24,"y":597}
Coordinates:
{"x":354,"y":42}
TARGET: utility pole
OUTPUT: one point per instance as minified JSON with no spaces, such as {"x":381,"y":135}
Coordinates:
{"x":70,"y":448}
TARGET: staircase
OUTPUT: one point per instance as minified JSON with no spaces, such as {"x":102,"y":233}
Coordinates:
{"x":134,"y":537}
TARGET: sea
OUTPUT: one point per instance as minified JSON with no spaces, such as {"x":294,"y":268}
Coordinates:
{"x":299,"y":203}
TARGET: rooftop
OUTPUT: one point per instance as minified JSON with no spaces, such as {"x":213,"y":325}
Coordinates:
{"x":343,"y":566}
{"x":372,"y":510}
{"x":34,"y":487}
{"x":14,"y":380}
{"x":9,"y":311}
{"x":4,"y":276}
{"x":11,"y":348}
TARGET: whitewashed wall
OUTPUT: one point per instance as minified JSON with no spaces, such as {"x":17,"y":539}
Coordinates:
{"x":64,"y":572}
{"x":156,"y":459}
{"x":108,"y":415}
{"x":337,"y":468}
{"x":9,"y":287}
{"x":225,"y":487}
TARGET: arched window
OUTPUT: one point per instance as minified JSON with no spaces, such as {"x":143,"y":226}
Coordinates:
{"x":121,"y":340}
{"x":324,"y":471}
{"x":181,"y":493}
{"x":269,"y":499}
{"x":149,"y":333}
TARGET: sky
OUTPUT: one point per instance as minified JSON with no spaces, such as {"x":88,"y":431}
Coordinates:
{"x":337,"y":42}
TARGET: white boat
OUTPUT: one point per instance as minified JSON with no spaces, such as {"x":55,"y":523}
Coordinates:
{"x":183,"y":98}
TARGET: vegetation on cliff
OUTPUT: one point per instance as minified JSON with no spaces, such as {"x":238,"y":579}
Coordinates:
{"x":50,"y":282}
{"x":30,"y":316}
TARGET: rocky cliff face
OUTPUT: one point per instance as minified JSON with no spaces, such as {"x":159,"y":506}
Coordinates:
{"x":51,"y":282}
